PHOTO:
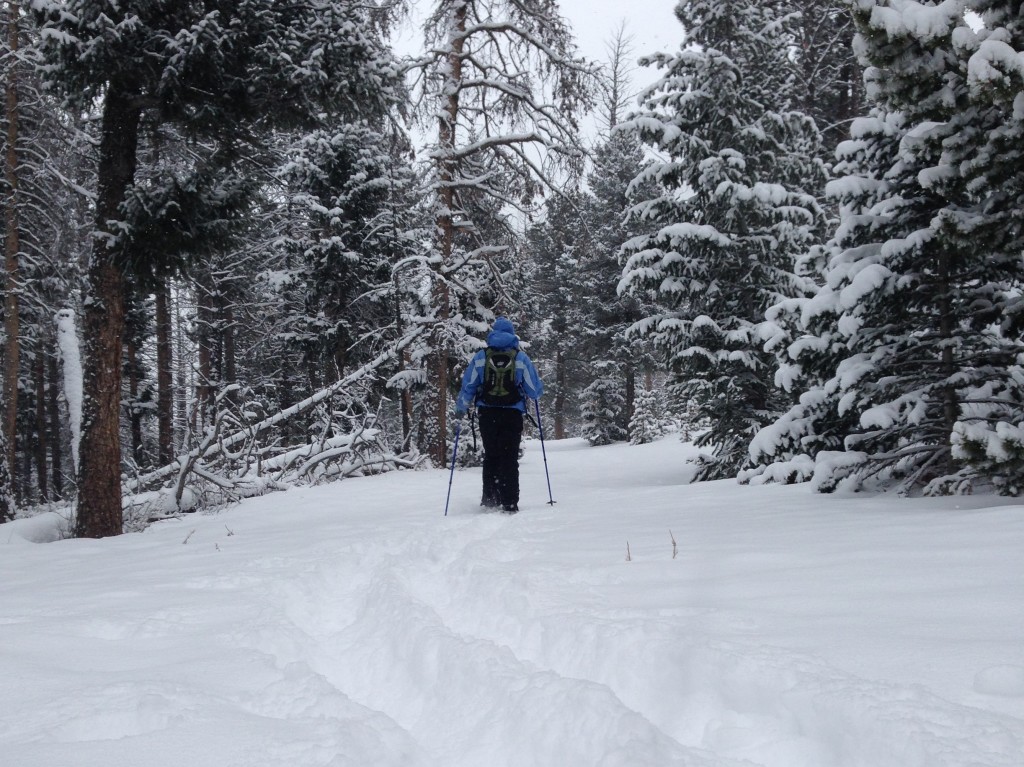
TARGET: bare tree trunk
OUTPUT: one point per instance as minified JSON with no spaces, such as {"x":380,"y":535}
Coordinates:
{"x":99,"y":475}
{"x":446,"y":230}
{"x":12,"y":247}
{"x":39,"y":372}
{"x":439,"y":372}
{"x":56,"y":446}
{"x":164,"y":384}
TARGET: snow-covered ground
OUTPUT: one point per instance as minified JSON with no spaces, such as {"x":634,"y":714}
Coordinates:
{"x":354,"y":624}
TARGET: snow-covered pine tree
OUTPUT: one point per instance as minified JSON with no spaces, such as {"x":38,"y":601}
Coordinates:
{"x":557,"y":246}
{"x":575,"y":250}
{"x":646,"y":424}
{"x":983,"y":226}
{"x":738,"y":179}
{"x":887,"y":283}
{"x":621,"y":359}
{"x":222,"y":70}
{"x":503,"y":81}
{"x":341,"y":180}
{"x":352,"y":218}
{"x":602,"y":404}
{"x":922,"y":270}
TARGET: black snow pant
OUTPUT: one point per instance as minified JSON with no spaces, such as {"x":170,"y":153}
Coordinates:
{"x":501,"y":429}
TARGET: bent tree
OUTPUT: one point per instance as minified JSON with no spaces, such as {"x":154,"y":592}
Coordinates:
{"x":220,"y":70}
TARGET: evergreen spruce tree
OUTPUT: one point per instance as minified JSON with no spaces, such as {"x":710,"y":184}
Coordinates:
{"x":916,"y":314}
{"x":620,"y":358}
{"x":980,"y":177}
{"x":603,"y":402}
{"x":645,"y":425}
{"x":737,"y":205}
{"x":558,"y":308}
{"x":341,"y":180}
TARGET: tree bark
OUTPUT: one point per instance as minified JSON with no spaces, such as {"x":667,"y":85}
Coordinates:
{"x":12,"y":247}
{"x":164,"y":384}
{"x":99,"y":475}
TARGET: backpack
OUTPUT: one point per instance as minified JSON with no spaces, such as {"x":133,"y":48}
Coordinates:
{"x":499,"y":386}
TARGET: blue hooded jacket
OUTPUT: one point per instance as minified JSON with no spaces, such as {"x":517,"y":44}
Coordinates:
{"x":502,"y":336}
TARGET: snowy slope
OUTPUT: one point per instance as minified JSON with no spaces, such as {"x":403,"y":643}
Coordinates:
{"x":353,"y":624}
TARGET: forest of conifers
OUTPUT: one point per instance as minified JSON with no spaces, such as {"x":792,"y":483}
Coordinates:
{"x":247,"y":244}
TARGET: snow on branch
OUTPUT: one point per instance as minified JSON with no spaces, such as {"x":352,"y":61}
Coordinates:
{"x":237,"y":459}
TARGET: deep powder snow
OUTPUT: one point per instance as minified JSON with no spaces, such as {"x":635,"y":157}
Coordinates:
{"x":353,"y":624}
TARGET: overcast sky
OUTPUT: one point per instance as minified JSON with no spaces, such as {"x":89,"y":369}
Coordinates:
{"x":651,"y":24}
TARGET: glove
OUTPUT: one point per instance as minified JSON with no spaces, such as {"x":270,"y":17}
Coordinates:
{"x":460,"y":417}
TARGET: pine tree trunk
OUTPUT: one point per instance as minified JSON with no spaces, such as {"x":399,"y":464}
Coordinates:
{"x":12,"y":246}
{"x":56,"y":444}
{"x":164,"y":384}
{"x":39,"y":372}
{"x":99,"y":475}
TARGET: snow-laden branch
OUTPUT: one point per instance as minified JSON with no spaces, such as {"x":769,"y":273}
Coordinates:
{"x":213,"y":447}
{"x":487,"y":143}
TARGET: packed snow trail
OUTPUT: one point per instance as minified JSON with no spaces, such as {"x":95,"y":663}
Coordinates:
{"x":353,"y":624}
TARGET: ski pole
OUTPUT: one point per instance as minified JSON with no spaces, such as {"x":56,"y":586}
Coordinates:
{"x":451,"y":474}
{"x":540,"y":427}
